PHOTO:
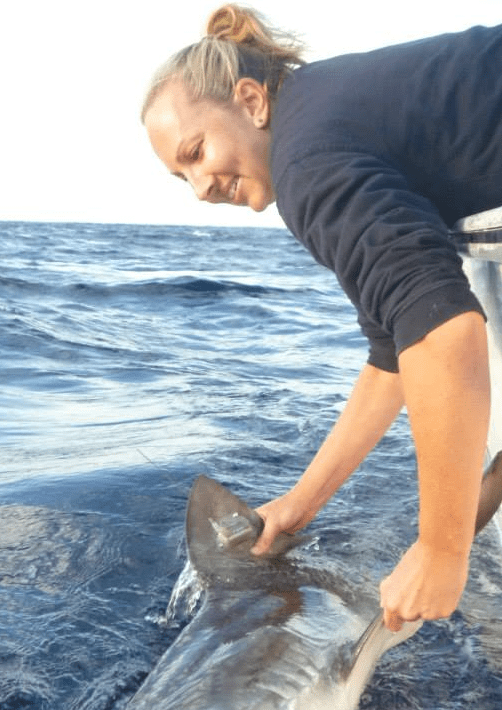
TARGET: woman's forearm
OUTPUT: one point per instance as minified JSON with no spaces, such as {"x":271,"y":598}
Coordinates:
{"x":446,"y":383}
{"x":373,"y":405}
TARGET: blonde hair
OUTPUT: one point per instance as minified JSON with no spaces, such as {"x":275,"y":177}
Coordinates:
{"x":238,"y":43}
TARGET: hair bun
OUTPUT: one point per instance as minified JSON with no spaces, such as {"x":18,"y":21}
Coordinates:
{"x":236,"y":24}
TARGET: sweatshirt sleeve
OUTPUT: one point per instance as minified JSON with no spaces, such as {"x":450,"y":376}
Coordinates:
{"x":382,"y":351}
{"x":387,"y":245}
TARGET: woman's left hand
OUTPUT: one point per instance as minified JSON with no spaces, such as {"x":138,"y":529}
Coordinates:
{"x":426,"y":584}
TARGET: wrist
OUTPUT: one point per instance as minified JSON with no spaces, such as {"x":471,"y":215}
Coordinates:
{"x":444,"y":547}
{"x":448,"y":529}
{"x":305,"y":500}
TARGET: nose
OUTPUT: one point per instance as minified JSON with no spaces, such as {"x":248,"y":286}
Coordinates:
{"x":204,"y":186}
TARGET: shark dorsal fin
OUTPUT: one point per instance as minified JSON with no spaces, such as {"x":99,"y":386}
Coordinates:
{"x":221,"y":529}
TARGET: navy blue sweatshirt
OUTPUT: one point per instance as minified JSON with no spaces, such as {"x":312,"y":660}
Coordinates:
{"x":374,"y":156}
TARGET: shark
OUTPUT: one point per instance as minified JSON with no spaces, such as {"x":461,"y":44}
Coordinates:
{"x":274,"y":632}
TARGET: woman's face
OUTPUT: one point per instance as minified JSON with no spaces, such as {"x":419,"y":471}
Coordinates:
{"x":220,"y":148}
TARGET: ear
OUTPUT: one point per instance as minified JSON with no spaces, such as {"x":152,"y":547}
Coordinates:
{"x":253,"y":98}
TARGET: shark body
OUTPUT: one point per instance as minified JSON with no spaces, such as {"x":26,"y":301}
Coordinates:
{"x":273,"y":633}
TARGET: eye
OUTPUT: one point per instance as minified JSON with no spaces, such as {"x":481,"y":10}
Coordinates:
{"x":196,"y":151}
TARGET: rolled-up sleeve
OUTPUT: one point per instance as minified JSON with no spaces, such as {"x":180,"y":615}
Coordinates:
{"x":382,"y":350}
{"x":386,"y":243}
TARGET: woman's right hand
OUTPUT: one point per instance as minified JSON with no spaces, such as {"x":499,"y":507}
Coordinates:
{"x":283,"y":514}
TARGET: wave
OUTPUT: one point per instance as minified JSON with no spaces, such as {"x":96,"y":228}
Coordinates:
{"x":183,"y":285}
{"x":204,"y":285}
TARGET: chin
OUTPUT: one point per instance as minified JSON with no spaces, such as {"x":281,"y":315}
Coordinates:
{"x":258,"y":205}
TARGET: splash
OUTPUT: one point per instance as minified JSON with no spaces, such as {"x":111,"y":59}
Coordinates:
{"x":185,"y":597}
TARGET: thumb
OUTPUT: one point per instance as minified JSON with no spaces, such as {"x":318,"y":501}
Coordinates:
{"x":392,"y":620}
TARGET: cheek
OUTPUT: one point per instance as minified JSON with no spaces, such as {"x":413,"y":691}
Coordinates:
{"x":259,"y":156}
{"x":260,"y":171}
{"x":222,"y":155}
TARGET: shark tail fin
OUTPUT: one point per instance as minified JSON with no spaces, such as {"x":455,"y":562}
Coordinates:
{"x":375,"y":641}
{"x":491,"y":492}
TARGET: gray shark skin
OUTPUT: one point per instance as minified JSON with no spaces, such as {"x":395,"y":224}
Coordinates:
{"x":491,"y":493}
{"x":272,"y":633}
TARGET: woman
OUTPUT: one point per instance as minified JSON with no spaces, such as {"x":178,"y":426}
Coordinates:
{"x":370,"y":159}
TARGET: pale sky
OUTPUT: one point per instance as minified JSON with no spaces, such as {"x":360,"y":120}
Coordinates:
{"x":73,"y":75}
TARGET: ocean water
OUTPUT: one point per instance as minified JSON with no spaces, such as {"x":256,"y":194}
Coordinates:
{"x":134,"y":358}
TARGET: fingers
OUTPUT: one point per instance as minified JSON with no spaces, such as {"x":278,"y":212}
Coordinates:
{"x":391,"y":618}
{"x":397,"y":609}
{"x":263,"y":544}
{"x":266,"y":539}
{"x":394,"y":621}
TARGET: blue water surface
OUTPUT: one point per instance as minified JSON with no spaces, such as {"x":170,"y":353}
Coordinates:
{"x":134,"y":358}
